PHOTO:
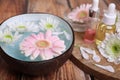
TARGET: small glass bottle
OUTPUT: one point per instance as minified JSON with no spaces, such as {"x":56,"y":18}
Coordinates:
{"x":107,"y":25}
{"x":94,"y":10}
{"x":89,"y":35}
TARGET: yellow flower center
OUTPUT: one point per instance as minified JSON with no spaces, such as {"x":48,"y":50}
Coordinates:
{"x":49,"y":26}
{"x":82,"y":14}
{"x":8,"y":36}
{"x":42,"y":44}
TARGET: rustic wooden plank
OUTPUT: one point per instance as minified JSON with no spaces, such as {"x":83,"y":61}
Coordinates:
{"x":41,"y":6}
{"x":67,"y":72}
{"x":10,"y":8}
{"x":56,"y":7}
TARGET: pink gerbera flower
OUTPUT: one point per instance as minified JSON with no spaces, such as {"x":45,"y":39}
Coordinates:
{"x":80,"y":14}
{"x":45,"y":45}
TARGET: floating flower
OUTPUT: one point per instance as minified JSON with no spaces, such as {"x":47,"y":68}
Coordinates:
{"x":8,"y":37}
{"x":110,"y":48}
{"x":23,"y":26}
{"x":65,"y":33}
{"x":80,"y":14}
{"x":50,"y":23}
{"x":45,"y":45}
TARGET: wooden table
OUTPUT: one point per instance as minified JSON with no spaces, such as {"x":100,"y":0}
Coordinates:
{"x":10,"y":8}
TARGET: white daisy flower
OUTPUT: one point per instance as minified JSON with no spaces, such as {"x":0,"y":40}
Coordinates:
{"x":118,"y":22}
{"x":23,"y":26}
{"x":8,"y":37}
{"x":68,"y":36}
{"x":50,"y":23}
{"x":1,"y":35}
{"x":110,"y":48}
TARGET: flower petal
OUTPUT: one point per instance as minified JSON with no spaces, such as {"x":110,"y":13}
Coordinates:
{"x":41,"y":36}
{"x":28,"y":52}
{"x":48,"y":34}
{"x":48,"y":54}
{"x":35,"y":54}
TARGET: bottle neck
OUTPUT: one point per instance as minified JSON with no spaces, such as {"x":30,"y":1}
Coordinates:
{"x":93,"y":13}
{"x":109,"y":20}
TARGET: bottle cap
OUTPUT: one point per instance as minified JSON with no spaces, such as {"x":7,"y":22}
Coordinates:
{"x":110,"y":15}
{"x":95,"y":5}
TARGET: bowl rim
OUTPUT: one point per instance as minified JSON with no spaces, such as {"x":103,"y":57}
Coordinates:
{"x":42,"y":61}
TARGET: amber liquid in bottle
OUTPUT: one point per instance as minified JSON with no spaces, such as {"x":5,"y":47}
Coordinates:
{"x":102,"y":29}
{"x":107,"y":25}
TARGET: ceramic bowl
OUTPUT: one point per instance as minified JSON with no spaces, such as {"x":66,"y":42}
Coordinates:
{"x":17,"y":61}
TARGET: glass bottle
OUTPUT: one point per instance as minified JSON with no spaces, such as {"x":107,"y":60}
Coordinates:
{"x":94,"y":10}
{"x":89,"y":35}
{"x":107,"y":25}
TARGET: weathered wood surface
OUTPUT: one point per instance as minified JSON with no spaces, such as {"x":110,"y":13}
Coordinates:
{"x":10,"y":8}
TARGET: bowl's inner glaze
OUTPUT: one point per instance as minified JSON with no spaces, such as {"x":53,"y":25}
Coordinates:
{"x":13,"y":49}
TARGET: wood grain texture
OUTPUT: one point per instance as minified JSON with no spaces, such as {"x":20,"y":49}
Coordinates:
{"x":56,"y":7}
{"x":10,"y":8}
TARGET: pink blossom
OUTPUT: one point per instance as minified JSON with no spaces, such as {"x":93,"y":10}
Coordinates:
{"x":80,"y":14}
{"x":45,"y":45}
